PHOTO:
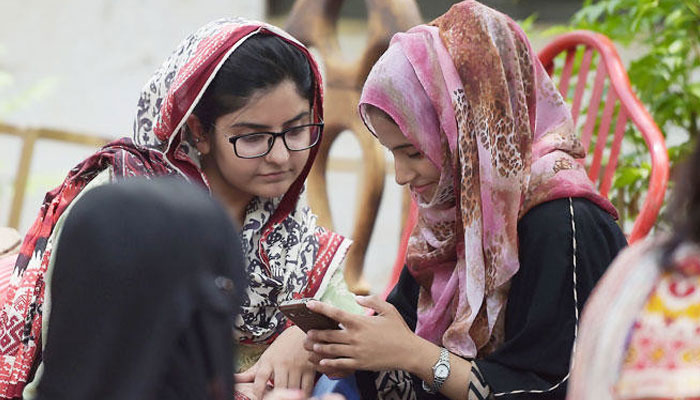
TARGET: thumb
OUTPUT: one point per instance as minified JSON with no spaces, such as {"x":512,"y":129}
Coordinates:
{"x":246,"y":376}
{"x":375,"y":303}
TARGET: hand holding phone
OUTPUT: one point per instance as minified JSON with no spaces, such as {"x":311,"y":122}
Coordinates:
{"x":304,"y":318}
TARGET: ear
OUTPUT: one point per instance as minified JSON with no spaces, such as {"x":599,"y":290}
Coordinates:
{"x":199,"y":134}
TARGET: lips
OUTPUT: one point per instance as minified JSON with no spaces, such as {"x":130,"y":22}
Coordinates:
{"x":274,"y":173}
{"x":422,"y":188}
{"x":274,"y":176}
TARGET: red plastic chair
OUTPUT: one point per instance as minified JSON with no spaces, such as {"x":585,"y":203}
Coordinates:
{"x":610,"y":70}
{"x":610,"y":74}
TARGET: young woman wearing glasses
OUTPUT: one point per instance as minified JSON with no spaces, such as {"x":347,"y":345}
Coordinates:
{"x":236,"y":109}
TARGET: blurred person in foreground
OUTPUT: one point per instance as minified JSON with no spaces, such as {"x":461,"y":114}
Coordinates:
{"x":147,"y":282}
{"x":640,"y":330}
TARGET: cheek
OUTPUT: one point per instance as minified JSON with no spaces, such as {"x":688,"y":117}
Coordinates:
{"x":234,"y":168}
{"x":429,"y":170}
{"x":299,"y":159}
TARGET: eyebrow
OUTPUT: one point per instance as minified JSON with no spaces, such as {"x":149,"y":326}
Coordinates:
{"x":402,"y":146}
{"x":255,"y":126}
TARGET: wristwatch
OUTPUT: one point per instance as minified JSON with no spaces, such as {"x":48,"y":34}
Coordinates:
{"x":441,"y":371}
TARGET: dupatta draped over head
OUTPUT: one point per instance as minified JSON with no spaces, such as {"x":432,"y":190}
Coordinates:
{"x":469,"y":92}
{"x":277,"y":232}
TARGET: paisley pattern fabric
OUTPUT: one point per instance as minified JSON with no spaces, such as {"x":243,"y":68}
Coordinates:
{"x":469,"y":92}
{"x":640,"y":331}
{"x":282,"y":237}
{"x":663,"y":354}
{"x":302,"y":258}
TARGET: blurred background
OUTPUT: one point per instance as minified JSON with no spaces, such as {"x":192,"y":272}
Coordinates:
{"x":79,"y":65}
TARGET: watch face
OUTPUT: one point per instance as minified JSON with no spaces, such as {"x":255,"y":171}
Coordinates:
{"x":442,"y":371}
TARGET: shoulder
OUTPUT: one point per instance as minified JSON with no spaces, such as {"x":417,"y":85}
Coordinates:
{"x":561,"y":219}
{"x":566,"y":236}
{"x":561,"y":210}
{"x":102,"y":178}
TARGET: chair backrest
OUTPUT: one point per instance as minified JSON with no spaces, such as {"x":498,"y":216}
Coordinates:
{"x":314,"y":23}
{"x":29,"y":138}
{"x":577,"y":52}
{"x":571,"y":56}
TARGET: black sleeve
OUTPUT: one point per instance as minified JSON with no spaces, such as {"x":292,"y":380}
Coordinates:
{"x":542,"y":310}
{"x":547,"y":295}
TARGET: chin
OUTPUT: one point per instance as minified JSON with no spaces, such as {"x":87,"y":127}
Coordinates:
{"x":273,"y":190}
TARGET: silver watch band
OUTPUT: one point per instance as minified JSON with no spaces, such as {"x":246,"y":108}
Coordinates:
{"x":441,"y":371}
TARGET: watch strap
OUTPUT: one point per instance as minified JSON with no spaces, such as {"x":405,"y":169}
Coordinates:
{"x":437,"y":380}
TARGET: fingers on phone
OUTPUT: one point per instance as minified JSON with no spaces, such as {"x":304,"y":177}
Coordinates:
{"x":328,"y":336}
{"x":375,"y":303}
{"x":329,"y":311}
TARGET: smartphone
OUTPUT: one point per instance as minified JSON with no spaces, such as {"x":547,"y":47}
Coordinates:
{"x":304,"y":318}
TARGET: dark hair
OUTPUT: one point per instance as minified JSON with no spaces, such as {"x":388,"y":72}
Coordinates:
{"x":684,"y":207}
{"x":260,"y":62}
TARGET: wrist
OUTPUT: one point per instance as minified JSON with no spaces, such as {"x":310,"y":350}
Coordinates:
{"x":441,"y":372}
{"x":420,"y":358}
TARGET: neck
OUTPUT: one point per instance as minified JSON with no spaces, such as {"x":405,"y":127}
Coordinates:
{"x":234,"y":200}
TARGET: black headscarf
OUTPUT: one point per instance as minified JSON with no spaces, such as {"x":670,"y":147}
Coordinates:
{"x":145,"y":287}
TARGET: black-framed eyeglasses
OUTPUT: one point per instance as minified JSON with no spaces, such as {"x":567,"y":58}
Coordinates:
{"x":258,"y":144}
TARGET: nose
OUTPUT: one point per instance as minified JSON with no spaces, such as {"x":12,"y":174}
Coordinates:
{"x":403,"y":173}
{"x":278,"y":153}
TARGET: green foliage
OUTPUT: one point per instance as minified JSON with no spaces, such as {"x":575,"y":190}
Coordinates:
{"x":528,"y":23}
{"x":669,"y":33}
{"x":664,"y":73}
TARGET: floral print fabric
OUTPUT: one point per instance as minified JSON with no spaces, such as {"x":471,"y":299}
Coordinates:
{"x":469,"y":92}
{"x":663,"y":353}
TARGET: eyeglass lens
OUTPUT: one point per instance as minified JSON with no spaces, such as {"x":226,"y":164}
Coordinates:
{"x":295,"y":139}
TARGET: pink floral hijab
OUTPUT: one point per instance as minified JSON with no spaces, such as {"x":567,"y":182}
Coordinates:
{"x":469,"y":92}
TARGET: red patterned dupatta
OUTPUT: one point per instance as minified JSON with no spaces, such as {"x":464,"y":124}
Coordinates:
{"x":160,"y":147}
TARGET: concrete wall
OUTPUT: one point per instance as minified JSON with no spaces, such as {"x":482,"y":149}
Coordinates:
{"x":91,"y":59}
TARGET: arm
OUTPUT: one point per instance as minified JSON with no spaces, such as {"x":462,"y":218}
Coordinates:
{"x":382,"y":342}
{"x":285,"y":361}
{"x":547,"y":295}
{"x":540,"y":318}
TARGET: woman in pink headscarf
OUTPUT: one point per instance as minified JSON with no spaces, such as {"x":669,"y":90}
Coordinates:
{"x":511,"y":235}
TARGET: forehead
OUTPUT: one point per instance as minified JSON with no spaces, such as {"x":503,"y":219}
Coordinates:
{"x":386,"y":129}
{"x":270,"y":107}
